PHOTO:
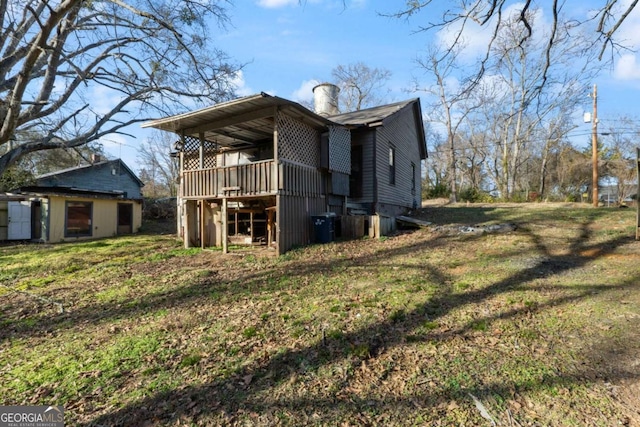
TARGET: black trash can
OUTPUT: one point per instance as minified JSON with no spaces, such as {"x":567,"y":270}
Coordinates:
{"x":323,"y":225}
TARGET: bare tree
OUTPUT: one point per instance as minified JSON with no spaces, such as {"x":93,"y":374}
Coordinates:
{"x":160,"y":168}
{"x":618,"y":157}
{"x":519,"y":103}
{"x":360,"y":85}
{"x":603,"y":24}
{"x":77,"y":70}
{"x":435,"y":182}
{"x":571,"y":172}
{"x":451,"y":107}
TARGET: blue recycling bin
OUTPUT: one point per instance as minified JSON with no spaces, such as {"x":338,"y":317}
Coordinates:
{"x":324,"y":227}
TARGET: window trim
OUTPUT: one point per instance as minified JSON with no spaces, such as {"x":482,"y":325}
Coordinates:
{"x":356,"y":184}
{"x":392,"y":164}
{"x":413,"y":178}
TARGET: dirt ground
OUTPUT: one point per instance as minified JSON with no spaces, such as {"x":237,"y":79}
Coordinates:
{"x":393,"y":331}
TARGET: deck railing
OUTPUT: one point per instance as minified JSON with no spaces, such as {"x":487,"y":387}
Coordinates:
{"x":250,"y":179}
{"x":253,"y":179}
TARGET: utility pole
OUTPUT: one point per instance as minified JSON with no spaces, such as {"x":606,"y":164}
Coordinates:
{"x":638,"y":193}
{"x":594,"y":143}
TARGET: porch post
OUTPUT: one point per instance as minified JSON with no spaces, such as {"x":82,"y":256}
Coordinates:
{"x":186,"y":233}
{"x":638,"y":195}
{"x":251,"y":226}
{"x":278,"y":222}
{"x":225,"y":227}
{"x":202,"y":224}
{"x":275,"y":178}
{"x":201,"y":150}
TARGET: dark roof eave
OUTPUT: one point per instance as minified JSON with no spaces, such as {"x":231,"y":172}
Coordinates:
{"x":69,"y":191}
{"x":82,"y":167}
{"x":179,"y":122}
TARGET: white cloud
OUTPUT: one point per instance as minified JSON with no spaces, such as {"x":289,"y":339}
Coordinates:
{"x":304,"y":93}
{"x":627,"y":68}
{"x":627,"y":34}
{"x":103,"y":99}
{"x":475,"y":37}
{"x":274,"y":4}
{"x":240,"y":85}
{"x":113,"y":142}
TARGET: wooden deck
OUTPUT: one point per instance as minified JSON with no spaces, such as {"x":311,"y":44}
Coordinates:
{"x":251,"y":180}
{"x":243,"y":180}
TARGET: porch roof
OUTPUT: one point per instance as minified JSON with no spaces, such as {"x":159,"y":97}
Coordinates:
{"x":239,"y":123}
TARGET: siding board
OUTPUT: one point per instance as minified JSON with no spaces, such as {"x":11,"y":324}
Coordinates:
{"x":367,"y":141}
{"x":105,"y":176}
{"x":400,"y":132}
{"x":294,"y":220}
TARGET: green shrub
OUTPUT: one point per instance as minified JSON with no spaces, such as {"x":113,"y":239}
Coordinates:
{"x":437,"y":191}
{"x":473,"y":195}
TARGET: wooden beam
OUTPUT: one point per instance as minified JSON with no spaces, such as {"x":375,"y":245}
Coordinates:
{"x":201,"y":150}
{"x":225,"y":227}
{"x":277,"y":224}
{"x":202,"y":224}
{"x":251,"y":226}
{"x":243,"y":141}
{"x":253,"y":129}
{"x":275,"y":173}
{"x":413,"y":221}
{"x":231,"y":120}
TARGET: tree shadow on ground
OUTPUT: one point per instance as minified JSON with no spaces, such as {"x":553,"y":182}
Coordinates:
{"x":234,"y":394}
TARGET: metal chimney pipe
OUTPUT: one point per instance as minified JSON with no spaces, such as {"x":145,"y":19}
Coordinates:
{"x":325,"y":99}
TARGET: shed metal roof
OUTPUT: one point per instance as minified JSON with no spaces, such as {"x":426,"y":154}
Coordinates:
{"x":40,"y":191}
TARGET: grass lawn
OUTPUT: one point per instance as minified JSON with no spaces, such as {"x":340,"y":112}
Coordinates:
{"x":439,"y":326}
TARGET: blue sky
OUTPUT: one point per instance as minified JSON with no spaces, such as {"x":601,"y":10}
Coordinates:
{"x":288,"y":46}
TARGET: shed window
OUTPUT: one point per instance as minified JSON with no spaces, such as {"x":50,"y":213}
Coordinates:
{"x":78,"y":219}
{"x":392,"y":166}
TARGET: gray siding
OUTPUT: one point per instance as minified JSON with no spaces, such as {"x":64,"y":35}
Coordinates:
{"x":98,"y":177}
{"x":399,"y":132}
{"x":294,"y":220}
{"x":366,"y":138}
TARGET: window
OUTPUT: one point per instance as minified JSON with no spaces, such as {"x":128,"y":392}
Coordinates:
{"x":355,"y":179}
{"x":78,"y":219}
{"x":413,"y":178}
{"x":392,"y":166}
{"x":125,"y":218}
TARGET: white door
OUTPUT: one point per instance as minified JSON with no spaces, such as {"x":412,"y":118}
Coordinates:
{"x":19,"y":221}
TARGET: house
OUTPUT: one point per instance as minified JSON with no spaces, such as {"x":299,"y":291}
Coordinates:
{"x":255,"y":170}
{"x":615,"y":194}
{"x":102,"y":199}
